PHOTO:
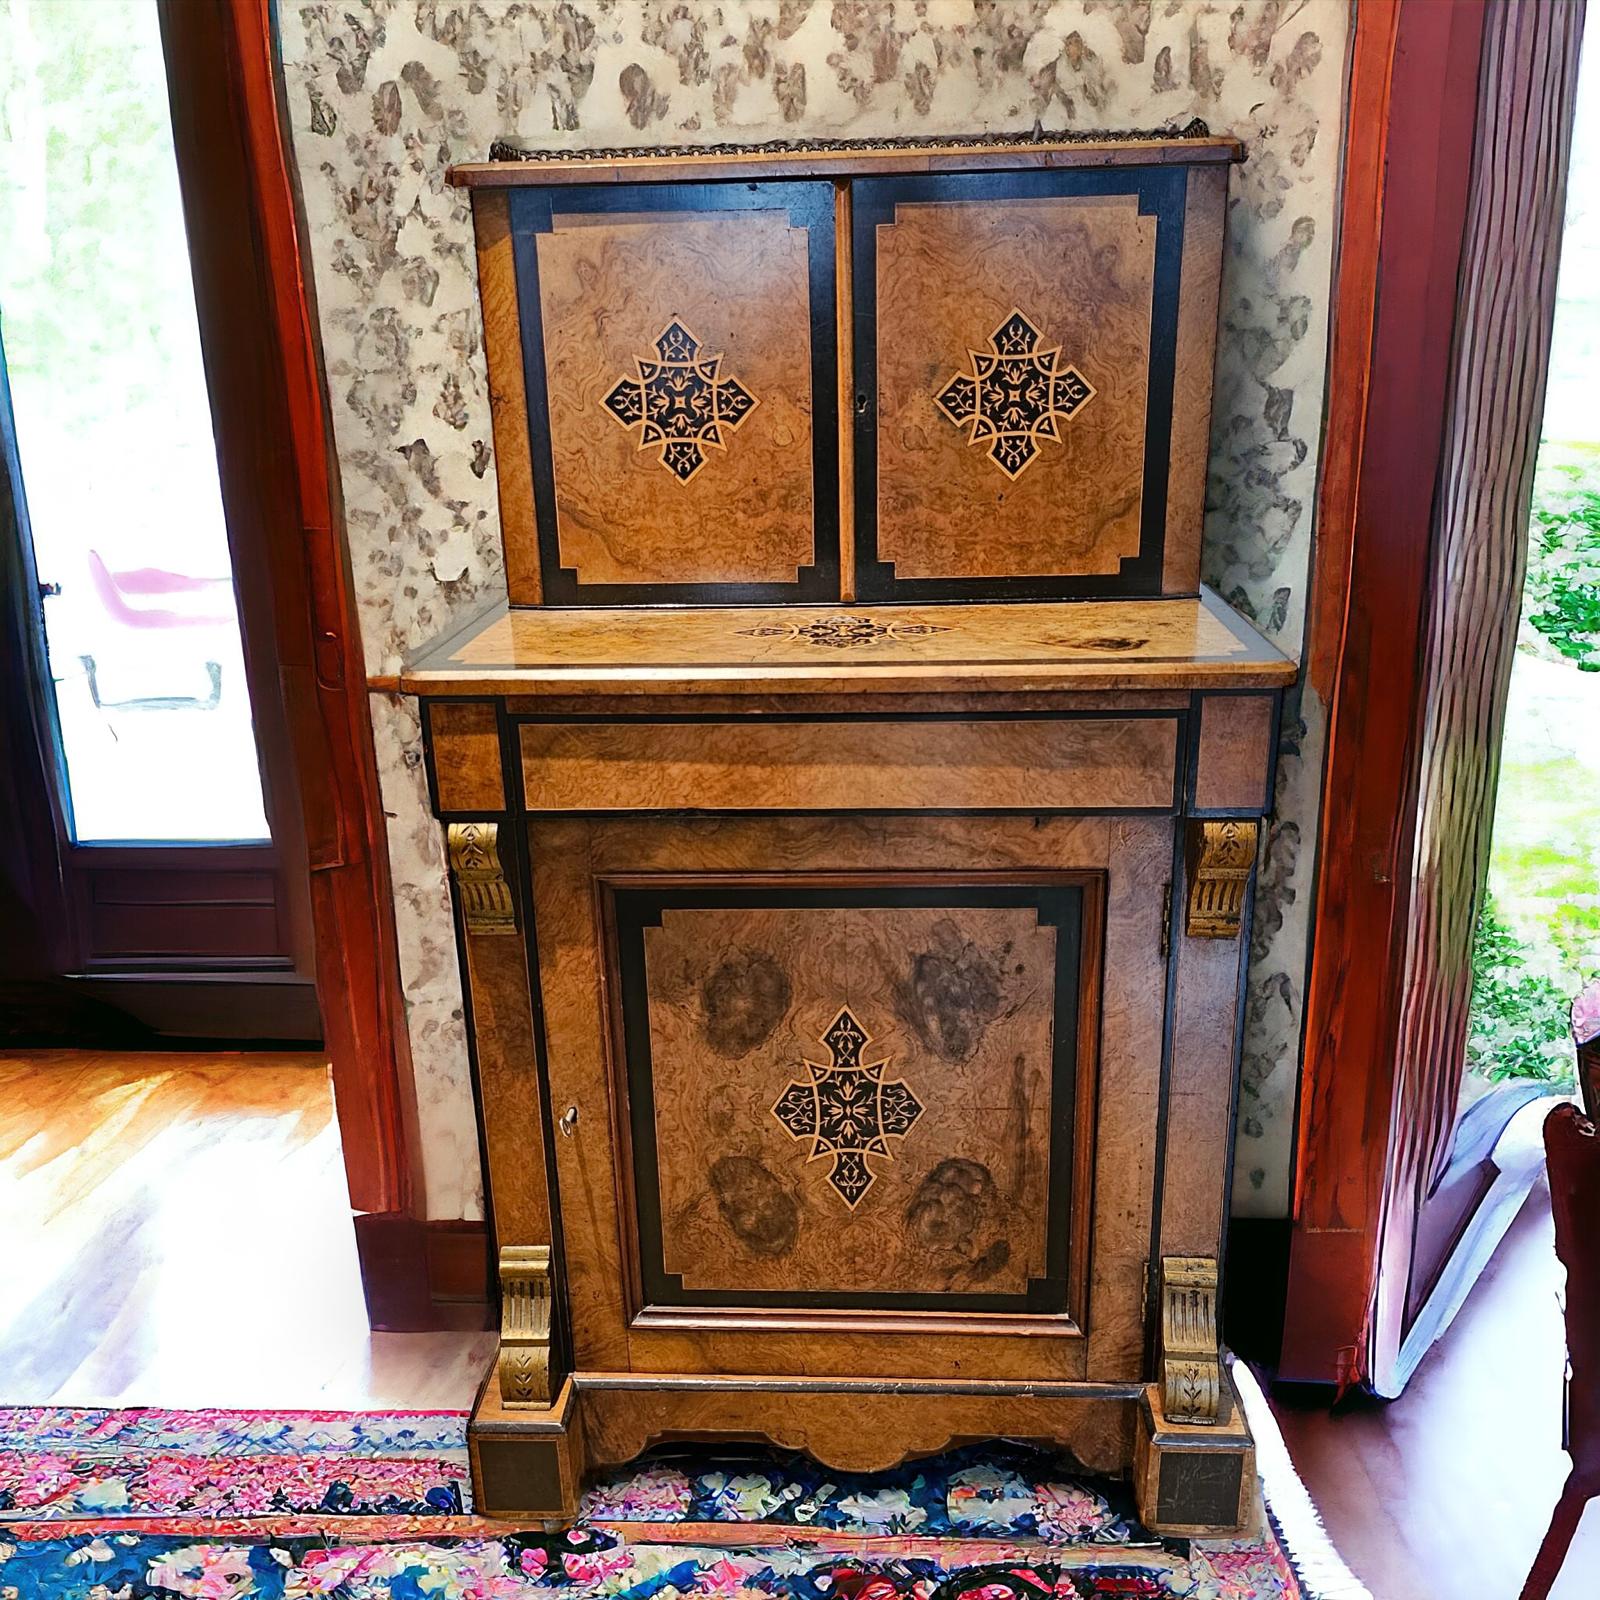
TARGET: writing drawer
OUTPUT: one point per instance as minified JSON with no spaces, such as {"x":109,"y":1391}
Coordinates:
{"x":856,"y":764}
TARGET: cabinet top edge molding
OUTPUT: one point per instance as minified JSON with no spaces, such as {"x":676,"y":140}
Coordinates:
{"x":840,"y":161}
{"x":1186,"y":643}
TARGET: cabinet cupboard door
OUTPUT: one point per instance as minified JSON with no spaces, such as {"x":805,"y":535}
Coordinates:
{"x":822,"y":1113}
{"x":679,"y":360}
{"x":1033,"y":355}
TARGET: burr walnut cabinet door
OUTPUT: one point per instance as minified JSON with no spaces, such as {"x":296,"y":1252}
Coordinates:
{"x":1033,"y":355}
{"x":841,"y":1117}
{"x":679,"y":363}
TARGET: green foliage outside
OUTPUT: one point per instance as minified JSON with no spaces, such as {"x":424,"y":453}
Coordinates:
{"x":1538,"y":939}
{"x":1519,"y":1017}
{"x":1561,"y":597}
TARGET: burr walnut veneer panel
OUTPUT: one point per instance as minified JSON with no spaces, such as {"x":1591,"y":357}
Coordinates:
{"x":998,"y":764}
{"x":1033,"y":355}
{"x":679,"y":365}
{"x":853,"y":1095}
{"x":705,"y":323}
{"x":1043,"y":476}
{"x":945,"y":1001}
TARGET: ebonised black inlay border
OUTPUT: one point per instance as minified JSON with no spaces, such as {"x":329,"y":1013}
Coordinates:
{"x":632,"y":910}
{"x":810,"y":205}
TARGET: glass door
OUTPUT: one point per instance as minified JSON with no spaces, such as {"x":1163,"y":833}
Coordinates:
{"x":113,"y":437}
{"x":170,"y":864}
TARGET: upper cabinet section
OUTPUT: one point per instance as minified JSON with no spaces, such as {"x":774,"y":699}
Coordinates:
{"x":973,"y":372}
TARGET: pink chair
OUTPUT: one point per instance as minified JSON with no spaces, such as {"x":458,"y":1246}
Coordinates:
{"x":125,"y":597}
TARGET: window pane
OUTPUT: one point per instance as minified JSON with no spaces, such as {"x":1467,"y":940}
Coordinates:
{"x":119,"y":467}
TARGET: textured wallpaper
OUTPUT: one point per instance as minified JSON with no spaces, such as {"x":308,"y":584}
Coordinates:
{"x":383,"y":96}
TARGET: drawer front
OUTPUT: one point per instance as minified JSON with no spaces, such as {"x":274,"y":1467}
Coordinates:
{"x":855,"y":764}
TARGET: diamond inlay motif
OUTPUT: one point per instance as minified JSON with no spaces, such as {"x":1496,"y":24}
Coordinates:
{"x":680,"y":402}
{"x":843,"y":632}
{"x":847,"y":1110}
{"x":1015,"y":395}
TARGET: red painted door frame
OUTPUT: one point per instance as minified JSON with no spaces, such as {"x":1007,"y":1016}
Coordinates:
{"x":1408,"y":161}
{"x":1455,"y":178}
{"x":253,"y":292}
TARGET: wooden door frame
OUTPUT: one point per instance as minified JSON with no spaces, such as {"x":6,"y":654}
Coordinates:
{"x":254,"y":295}
{"x":1410,"y":353}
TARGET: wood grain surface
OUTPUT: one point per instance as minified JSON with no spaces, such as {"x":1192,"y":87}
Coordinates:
{"x":1235,"y":752}
{"x":1107,"y":765}
{"x":1200,"y":284}
{"x":126,"y":1178}
{"x":853,"y":1430}
{"x":949,"y":274}
{"x":571,"y":856}
{"x":1441,"y":334}
{"x":508,"y":1079}
{"x":739,"y":282}
{"x":1507,"y":294}
{"x":508,"y":398}
{"x":957,"y":1001}
{"x":1090,"y":644}
{"x":464,"y":746}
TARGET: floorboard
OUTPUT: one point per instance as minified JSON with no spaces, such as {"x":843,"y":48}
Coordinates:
{"x":178,"y":1234}
{"x":1448,"y":1489}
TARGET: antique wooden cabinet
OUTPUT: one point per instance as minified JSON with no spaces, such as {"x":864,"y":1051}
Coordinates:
{"x":853,"y":813}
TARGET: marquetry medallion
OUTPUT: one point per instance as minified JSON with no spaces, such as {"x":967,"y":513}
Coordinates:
{"x":843,"y":632}
{"x":680,"y":402}
{"x":1016,"y":394}
{"x":848,"y":1109}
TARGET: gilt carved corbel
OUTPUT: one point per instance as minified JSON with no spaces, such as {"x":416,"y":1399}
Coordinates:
{"x":524,"y":1359}
{"x":486,"y":903}
{"x":1220,"y":858}
{"x":1191,"y":1368}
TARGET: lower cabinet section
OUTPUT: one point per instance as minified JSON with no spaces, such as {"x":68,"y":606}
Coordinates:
{"x":865,"y":1132}
{"x":838,"y":1096}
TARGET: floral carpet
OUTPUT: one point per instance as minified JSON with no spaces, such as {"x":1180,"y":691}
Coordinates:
{"x":155,"y":1505}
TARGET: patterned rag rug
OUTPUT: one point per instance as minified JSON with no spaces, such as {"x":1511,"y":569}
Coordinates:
{"x":216,"y":1505}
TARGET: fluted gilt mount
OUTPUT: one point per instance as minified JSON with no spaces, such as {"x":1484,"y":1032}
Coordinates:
{"x":1191,"y":1371}
{"x":486,"y":904}
{"x":1221,"y":857}
{"x":524,"y":1361}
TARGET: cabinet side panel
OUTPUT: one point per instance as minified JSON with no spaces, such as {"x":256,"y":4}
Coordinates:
{"x":1205,"y":210}
{"x":508,"y":400}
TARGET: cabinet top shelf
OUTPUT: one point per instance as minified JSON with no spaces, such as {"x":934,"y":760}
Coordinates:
{"x":839,"y":159}
{"x":1188,"y":643}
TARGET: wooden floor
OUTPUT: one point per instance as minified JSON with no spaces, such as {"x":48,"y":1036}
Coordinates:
{"x":1447,"y":1490}
{"x":176,"y":1233}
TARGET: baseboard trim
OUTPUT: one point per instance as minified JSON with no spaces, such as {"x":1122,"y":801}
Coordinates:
{"x":421,"y":1276}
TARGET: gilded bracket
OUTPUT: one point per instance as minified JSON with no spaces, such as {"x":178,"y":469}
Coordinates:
{"x":524,"y":1359}
{"x":486,"y":903}
{"x":1221,"y":857}
{"x":1191,"y":1368}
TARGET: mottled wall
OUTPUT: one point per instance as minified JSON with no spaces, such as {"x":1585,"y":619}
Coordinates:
{"x":384,"y":96}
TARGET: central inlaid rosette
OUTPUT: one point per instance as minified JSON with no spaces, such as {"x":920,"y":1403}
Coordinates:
{"x":680,"y":401}
{"x":847,"y":1109}
{"x":1015,"y":395}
